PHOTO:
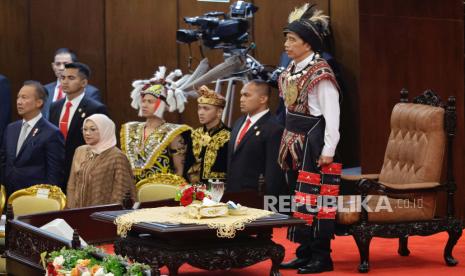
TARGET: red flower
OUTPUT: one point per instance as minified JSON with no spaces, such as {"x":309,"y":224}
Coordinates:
{"x":189,"y":191}
{"x":51,"y":270}
{"x":199,"y":195}
{"x":186,"y":199}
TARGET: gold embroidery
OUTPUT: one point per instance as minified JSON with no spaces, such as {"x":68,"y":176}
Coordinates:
{"x":152,"y":156}
{"x":201,"y":139}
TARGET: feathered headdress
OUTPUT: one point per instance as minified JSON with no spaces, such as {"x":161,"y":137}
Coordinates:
{"x":310,"y":24}
{"x":159,"y":87}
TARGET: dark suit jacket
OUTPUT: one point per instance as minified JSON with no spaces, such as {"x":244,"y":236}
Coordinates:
{"x":75,"y":138}
{"x":91,"y":91}
{"x":5,"y":104}
{"x":40,"y":159}
{"x":256,"y":155}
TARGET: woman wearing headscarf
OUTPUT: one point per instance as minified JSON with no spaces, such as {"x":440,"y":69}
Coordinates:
{"x":100,"y":173}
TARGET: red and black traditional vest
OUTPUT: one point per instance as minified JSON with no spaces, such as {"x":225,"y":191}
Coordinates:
{"x":301,"y":146}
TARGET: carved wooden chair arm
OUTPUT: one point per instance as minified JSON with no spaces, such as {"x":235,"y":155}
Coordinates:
{"x":397,"y":188}
{"x":349,"y":177}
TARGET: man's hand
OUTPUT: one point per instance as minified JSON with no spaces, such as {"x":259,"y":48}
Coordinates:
{"x":324,"y":160}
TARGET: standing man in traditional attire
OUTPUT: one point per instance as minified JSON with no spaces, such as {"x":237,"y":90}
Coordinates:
{"x":155,"y":146}
{"x":311,"y":134}
{"x":210,"y":141}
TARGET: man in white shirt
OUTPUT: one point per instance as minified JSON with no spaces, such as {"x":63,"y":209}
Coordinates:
{"x":310,"y":138}
{"x":33,"y":149}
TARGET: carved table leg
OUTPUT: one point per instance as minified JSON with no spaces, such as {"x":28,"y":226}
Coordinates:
{"x":153,"y":265}
{"x":363,"y":239}
{"x":173,"y":268}
{"x":277,"y":256}
{"x":155,"y":271}
{"x":403,"y":246}
{"x":455,"y":232}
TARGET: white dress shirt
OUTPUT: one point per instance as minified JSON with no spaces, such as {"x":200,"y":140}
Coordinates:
{"x":32,"y":122}
{"x":253,"y":119}
{"x":55,"y":93}
{"x":324,"y":100}
{"x":75,"y":103}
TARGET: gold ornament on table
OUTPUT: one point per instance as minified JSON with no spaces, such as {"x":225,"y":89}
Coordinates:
{"x":200,"y":210}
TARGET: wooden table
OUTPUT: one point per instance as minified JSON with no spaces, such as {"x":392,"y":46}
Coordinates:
{"x":160,"y":244}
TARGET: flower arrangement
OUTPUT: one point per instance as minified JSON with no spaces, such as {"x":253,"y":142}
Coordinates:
{"x":90,"y":261}
{"x":187,"y":193}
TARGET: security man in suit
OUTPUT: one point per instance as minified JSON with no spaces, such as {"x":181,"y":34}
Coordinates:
{"x":254,"y":145}
{"x":33,"y":150}
{"x":54,"y":89}
{"x":68,"y":114}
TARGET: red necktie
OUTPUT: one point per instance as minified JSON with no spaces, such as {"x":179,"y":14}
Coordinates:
{"x":64,"y":120}
{"x":60,"y":93}
{"x":243,"y":131}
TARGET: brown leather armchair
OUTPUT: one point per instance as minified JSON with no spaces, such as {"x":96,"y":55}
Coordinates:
{"x":401,"y":200}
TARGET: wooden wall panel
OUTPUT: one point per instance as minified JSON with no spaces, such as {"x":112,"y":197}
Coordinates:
{"x":14,"y":45}
{"x":140,"y":36}
{"x":346,"y":50}
{"x":413,"y":8}
{"x":270,"y":21}
{"x":75,"y":24}
{"x":416,"y":45}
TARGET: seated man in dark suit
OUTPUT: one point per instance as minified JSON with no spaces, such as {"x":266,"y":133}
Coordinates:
{"x":33,"y":150}
{"x":54,"y":89}
{"x":5,"y":105}
{"x":68,"y":114}
{"x":254,"y":144}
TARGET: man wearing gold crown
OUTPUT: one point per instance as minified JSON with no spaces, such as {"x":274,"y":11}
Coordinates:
{"x":210,"y":141}
{"x":308,"y":146}
{"x":154,"y":146}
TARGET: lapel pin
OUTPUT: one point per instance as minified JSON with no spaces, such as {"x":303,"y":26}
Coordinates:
{"x":35,"y":132}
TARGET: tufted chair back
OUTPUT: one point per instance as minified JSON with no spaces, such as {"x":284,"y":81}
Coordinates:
{"x":415,"y":150}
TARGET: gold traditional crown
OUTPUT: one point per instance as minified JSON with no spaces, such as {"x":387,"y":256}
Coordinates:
{"x":208,"y":96}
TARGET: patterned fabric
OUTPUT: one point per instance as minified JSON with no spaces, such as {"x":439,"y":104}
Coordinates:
{"x":317,"y":188}
{"x":210,"y":149}
{"x":98,"y":179}
{"x":292,"y":142}
{"x":153,"y":155}
{"x":314,"y":187}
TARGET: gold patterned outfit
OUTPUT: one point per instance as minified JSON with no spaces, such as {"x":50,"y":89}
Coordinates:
{"x":210,"y":149}
{"x":153,"y":155}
